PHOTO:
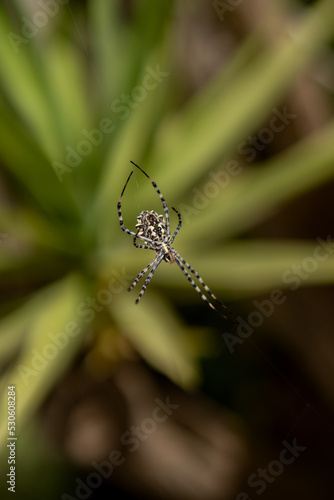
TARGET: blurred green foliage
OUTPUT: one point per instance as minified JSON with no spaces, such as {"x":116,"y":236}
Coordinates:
{"x":64,"y":242}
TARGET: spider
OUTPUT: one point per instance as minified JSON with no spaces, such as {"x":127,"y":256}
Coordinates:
{"x":154,"y":231}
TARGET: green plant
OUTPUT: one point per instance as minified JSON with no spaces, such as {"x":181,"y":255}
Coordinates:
{"x":64,"y":243}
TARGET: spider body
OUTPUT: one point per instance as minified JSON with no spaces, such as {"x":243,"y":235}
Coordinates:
{"x":152,"y":226}
{"x":154,"y":231}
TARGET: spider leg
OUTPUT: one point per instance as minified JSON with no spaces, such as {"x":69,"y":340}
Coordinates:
{"x":119,"y":209}
{"x":205,"y":286}
{"x":149,"y":277}
{"x":178,"y":227}
{"x":137,"y":278}
{"x":120,"y":217}
{"x":140,"y":246}
{"x":163,"y":201}
{"x":179,"y":260}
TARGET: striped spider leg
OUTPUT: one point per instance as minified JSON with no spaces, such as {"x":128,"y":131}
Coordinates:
{"x":154,"y":231}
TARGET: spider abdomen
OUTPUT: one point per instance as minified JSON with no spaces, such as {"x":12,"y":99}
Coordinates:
{"x":151,"y":226}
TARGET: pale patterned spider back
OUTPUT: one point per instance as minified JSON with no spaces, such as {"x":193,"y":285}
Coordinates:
{"x":154,"y":231}
{"x":151,"y":226}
